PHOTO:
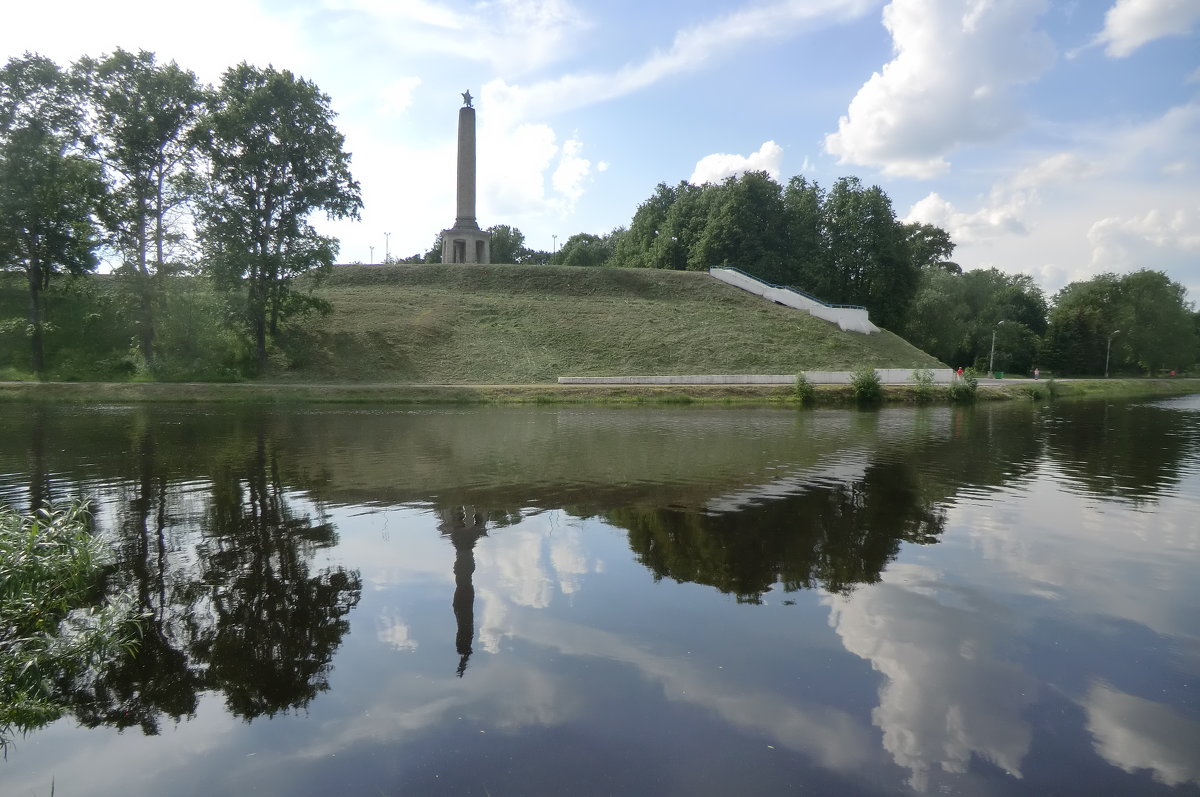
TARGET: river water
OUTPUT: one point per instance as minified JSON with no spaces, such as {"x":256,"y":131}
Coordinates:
{"x":593,"y":601}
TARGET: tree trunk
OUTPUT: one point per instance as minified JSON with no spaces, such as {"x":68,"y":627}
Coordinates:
{"x":38,"y":359}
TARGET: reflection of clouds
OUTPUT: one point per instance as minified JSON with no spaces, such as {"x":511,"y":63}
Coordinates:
{"x":1101,"y":557}
{"x":524,"y":566}
{"x":947,"y":695}
{"x":391,"y":630}
{"x":1133,"y":733}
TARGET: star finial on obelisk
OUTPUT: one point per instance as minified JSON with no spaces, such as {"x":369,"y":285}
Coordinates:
{"x":466,"y":95}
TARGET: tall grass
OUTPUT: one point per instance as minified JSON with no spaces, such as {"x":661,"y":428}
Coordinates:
{"x":54,"y":630}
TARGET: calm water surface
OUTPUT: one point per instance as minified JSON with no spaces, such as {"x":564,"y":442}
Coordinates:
{"x":587,"y":601}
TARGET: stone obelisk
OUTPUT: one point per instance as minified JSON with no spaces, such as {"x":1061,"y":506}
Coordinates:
{"x":465,"y":242}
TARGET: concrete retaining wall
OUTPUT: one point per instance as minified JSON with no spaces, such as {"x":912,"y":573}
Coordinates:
{"x":849,"y":319}
{"x":888,"y":376}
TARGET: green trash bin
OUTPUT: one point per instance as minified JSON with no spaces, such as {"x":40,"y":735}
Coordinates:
{"x":999,"y":374}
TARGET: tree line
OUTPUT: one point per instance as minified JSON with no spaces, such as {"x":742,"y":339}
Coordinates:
{"x":845,"y":245}
{"x":126,"y":157}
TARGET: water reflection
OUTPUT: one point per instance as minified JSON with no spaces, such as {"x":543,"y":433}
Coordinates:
{"x":223,"y":572}
{"x":613,"y":579}
{"x":949,"y":691}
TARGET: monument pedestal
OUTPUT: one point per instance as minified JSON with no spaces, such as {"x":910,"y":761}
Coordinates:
{"x":466,"y":245}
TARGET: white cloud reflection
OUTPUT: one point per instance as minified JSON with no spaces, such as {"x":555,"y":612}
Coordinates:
{"x":949,"y":694}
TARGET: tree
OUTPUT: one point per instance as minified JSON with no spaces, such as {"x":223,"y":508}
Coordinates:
{"x":275,"y":159}
{"x":49,"y":192}
{"x":745,"y":226}
{"x":143,"y":114}
{"x":643,"y":229}
{"x":508,"y":244}
{"x":585,"y":249}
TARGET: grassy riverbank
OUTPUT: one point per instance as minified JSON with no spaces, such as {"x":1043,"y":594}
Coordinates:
{"x":121,"y":393}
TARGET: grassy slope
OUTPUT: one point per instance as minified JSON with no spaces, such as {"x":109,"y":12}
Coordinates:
{"x":498,"y":324}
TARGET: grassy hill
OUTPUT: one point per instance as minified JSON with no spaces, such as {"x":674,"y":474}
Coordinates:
{"x":498,"y":324}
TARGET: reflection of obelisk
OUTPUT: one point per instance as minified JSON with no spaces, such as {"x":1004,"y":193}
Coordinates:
{"x":464,"y":526}
{"x":465,"y":242}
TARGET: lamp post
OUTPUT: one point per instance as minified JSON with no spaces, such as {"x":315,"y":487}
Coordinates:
{"x":992,"y":356}
{"x":1108,"y":351}
{"x":554,"y":253}
{"x":372,"y":254}
{"x":387,"y":246}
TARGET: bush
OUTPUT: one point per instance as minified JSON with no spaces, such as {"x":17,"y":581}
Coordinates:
{"x":963,"y":388}
{"x":865,"y":385}
{"x":804,"y":390}
{"x":923,"y":380}
{"x":52,"y":636}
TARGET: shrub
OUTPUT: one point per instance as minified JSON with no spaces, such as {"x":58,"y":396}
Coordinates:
{"x":52,"y":635}
{"x":804,"y":390}
{"x":865,"y":385}
{"x":963,"y":388}
{"x":923,"y":380}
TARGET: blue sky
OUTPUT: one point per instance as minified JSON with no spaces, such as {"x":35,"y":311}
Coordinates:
{"x":1059,"y":139}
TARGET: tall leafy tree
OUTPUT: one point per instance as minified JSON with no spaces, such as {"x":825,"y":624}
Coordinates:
{"x":275,"y":159}
{"x":49,"y":192}
{"x":745,"y":226}
{"x":143,"y":114}
{"x":508,"y":244}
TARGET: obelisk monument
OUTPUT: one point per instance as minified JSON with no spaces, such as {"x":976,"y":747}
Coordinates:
{"x":465,"y":242}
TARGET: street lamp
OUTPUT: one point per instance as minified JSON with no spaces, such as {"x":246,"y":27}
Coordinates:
{"x":387,"y":249}
{"x":992,"y":356}
{"x":554,"y":254}
{"x":1108,"y":351}
{"x":372,"y":254}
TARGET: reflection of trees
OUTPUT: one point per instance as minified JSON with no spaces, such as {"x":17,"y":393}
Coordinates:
{"x":1132,"y":452}
{"x":240,"y":610}
{"x":276,"y":624}
{"x":835,"y":535}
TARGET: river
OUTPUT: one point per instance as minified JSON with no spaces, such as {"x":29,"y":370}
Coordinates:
{"x":671,"y":601}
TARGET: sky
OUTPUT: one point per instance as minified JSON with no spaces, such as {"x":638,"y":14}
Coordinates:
{"x":1055,"y":138}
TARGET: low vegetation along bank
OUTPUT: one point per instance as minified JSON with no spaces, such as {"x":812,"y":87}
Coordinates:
{"x":823,"y":395}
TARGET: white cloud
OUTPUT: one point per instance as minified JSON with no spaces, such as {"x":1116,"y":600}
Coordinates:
{"x":1002,"y":215}
{"x":1133,"y":733}
{"x":572,"y":172}
{"x":397,"y":96}
{"x":1158,"y":239}
{"x":511,"y":35}
{"x":716,"y":167}
{"x":950,"y":84}
{"x":691,"y":49}
{"x":1131,"y":23}
{"x":228,"y":32}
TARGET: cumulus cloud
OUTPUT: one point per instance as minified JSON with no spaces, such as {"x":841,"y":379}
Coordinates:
{"x":947,"y":694}
{"x":1002,"y":215}
{"x":716,"y":167}
{"x":524,"y":170}
{"x":1133,"y":733}
{"x":1131,"y":23}
{"x":1157,"y":239}
{"x":396,"y":97}
{"x":950,"y":83}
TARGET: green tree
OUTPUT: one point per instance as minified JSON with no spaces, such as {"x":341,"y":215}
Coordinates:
{"x":49,"y":192}
{"x":275,"y":159}
{"x":1158,"y":332}
{"x":142,"y":116}
{"x":745,"y":227}
{"x":648,"y":219}
{"x":508,"y":244}
{"x":585,"y":249}
{"x":805,"y":261}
